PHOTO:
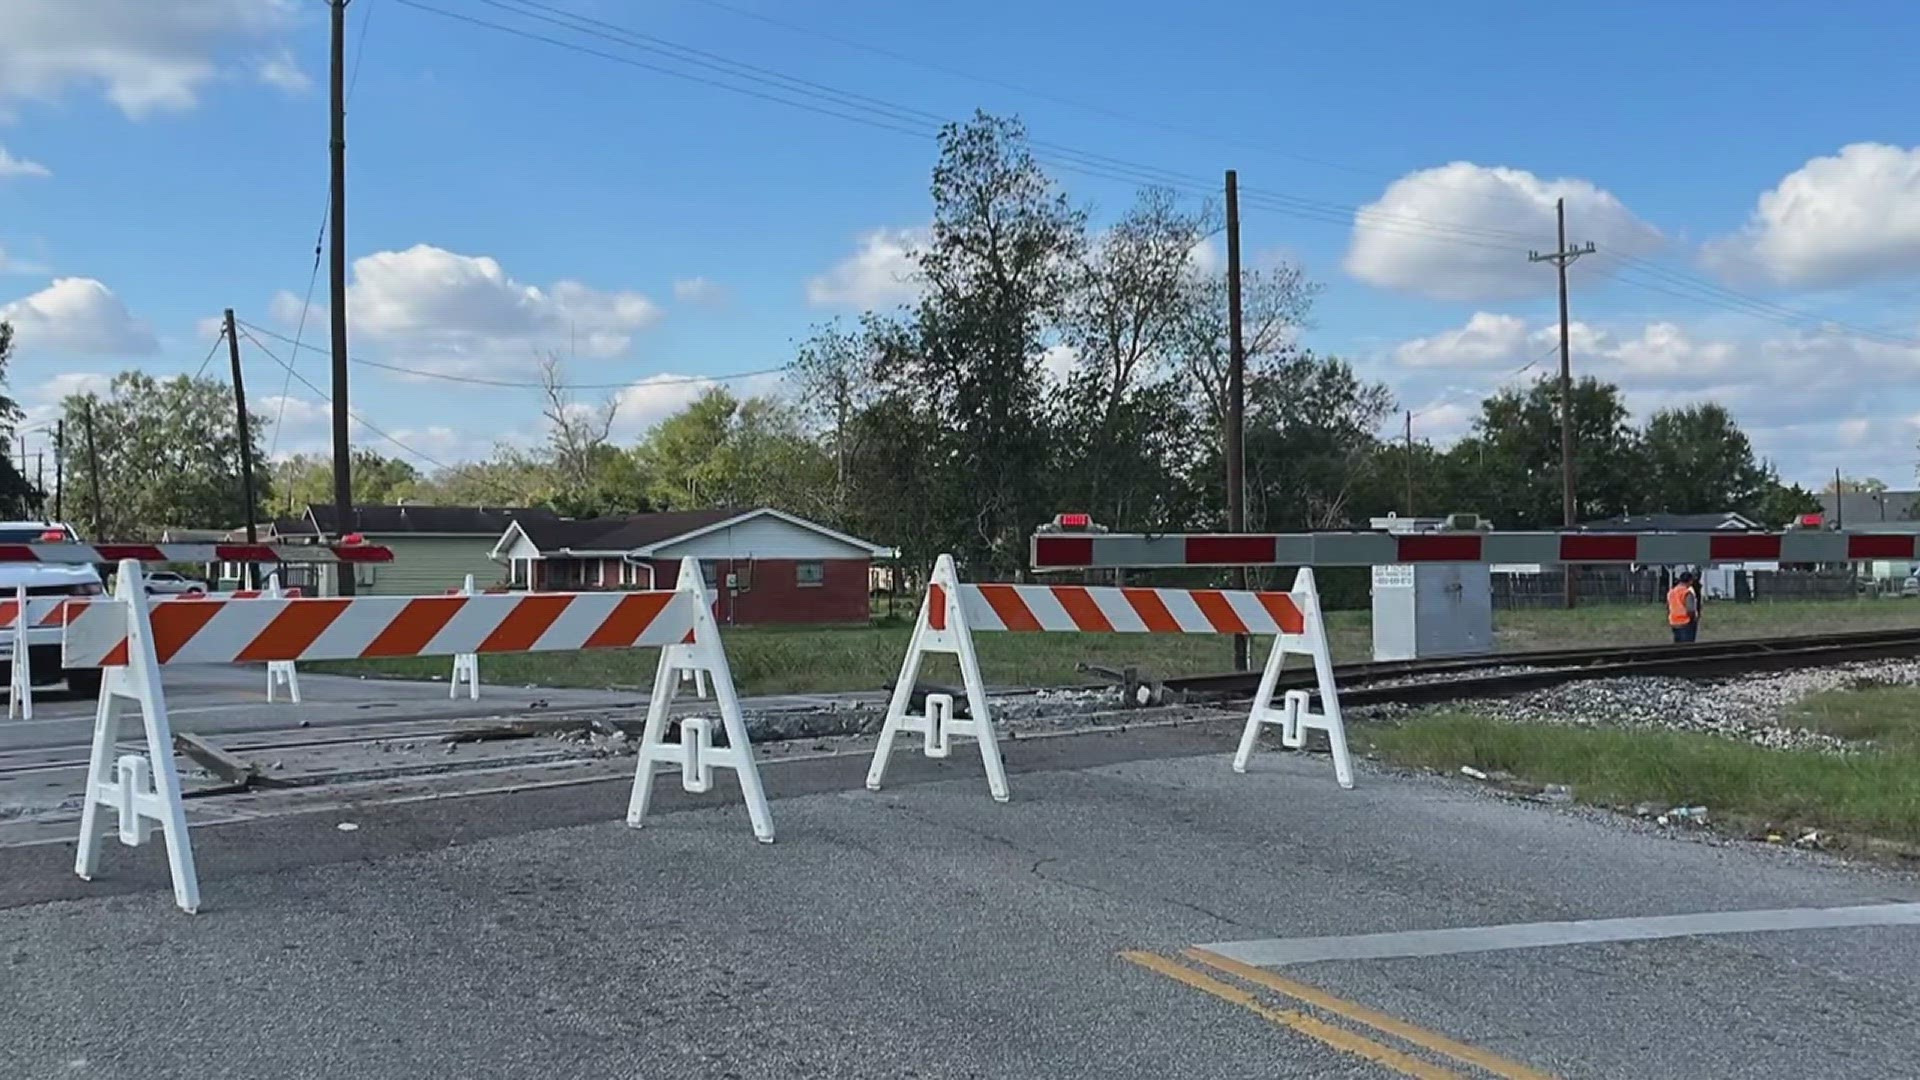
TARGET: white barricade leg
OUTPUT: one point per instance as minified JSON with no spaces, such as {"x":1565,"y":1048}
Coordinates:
{"x":20,"y":679}
{"x":694,"y":751}
{"x":1296,"y":717}
{"x":281,"y":672}
{"x":699,"y":680}
{"x":466,"y":666}
{"x":941,"y":628}
{"x":144,"y":790}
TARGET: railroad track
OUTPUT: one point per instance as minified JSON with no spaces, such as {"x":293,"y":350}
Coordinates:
{"x":1452,"y":679}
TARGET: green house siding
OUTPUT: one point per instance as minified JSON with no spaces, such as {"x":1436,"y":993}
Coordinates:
{"x":429,"y":566}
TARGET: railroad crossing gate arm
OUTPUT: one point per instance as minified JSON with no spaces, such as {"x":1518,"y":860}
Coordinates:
{"x":1304,"y":635}
{"x":694,"y":751}
{"x":942,"y":627}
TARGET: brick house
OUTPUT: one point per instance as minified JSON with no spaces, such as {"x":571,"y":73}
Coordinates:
{"x":764,"y":566}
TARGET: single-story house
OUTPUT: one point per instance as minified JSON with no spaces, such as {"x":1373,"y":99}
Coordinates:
{"x":434,"y":547}
{"x":764,"y":565}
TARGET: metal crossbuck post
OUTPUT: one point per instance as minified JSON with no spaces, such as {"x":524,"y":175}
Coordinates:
{"x":953,"y":612}
{"x":466,"y":666}
{"x":281,"y":672}
{"x":133,"y":637}
{"x":694,"y":752}
{"x":20,"y":678}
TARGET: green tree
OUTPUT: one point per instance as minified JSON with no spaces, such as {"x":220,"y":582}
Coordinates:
{"x":168,"y":456}
{"x":1514,"y":453}
{"x":1699,"y":461}
{"x":721,"y":452}
{"x":18,"y":497}
{"x":1780,"y":504}
{"x":303,"y":479}
{"x":1854,"y":485}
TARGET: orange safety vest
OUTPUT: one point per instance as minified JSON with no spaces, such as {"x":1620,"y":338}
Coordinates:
{"x":1677,"y":613}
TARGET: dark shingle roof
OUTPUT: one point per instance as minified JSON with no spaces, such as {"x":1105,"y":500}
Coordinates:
{"x":619,"y":533}
{"x":488,"y":521}
{"x":1725,"y":521}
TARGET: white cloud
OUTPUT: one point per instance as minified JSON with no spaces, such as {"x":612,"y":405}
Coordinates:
{"x":77,"y":317}
{"x":1834,"y":220}
{"x":285,"y":308}
{"x":145,"y":56}
{"x":1462,"y":231}
{"x":458,"y":313}
{"x":13,"y":166}
{"x":656,"y":397}
{"x":699,"y":290}
{"x":9,"y":264}
{"x":1488,"y":340}
{"x":882,"y":273}
{"x":1058,"y":362}
{"x":284,"y":72}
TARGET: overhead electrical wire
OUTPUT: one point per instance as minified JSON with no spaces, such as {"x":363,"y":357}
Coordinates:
{"x":509,"y":384}
{"x":217,"y":339}
{"x":322,"y":395}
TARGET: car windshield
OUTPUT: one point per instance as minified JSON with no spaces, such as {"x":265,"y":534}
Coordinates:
{"x":28,"y":534}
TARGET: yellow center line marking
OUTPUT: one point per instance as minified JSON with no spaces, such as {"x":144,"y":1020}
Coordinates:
{"x":1337,"y":1037}
{"x":1471,"y":1055}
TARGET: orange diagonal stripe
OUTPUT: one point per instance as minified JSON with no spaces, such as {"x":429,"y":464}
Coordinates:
{"x":175,"y":624}
{"x":1079,"y":606}
{"x":1006,"y":603}
{"x":1218,"y":611}
{"x":628,"y":620}
{"x":1152,"y":611}
{"x":291,"y":631}
{"x":1286,"y":613}
{"x":414,"y":626}
{"x":525,"y":622}
{"x":937,"y":607}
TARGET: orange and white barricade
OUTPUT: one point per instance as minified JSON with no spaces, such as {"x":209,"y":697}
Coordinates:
{"x":953,"y":612}
{"x":279,"y":672}
{"x":19,"y":615}
{"x":466,"y":666}
{"x":132,"y":638}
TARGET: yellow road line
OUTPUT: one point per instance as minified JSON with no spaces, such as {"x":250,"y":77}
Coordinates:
{"x":1502,"y":1067}
{"x":1337,"y":1037}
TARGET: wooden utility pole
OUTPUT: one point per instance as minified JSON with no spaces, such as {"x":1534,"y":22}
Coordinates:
{"x":1409,"y":463}
{"x":59,"y":466}
{"x":251,"y":579}
{"x":1563,"y":257}
{"x":93,"y":471}
{"x":337,"y":293}
{"x":1236,"y":401}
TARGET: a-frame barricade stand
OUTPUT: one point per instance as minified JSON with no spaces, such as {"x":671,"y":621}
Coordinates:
{"x":941,"y":628}
{"x":694,"y":751}
{"x":1296,"y":717}
{"x":280,"y":672}
{"x":20,"y":677}
{"x":466,"y":666}
{"x":143,"y":788}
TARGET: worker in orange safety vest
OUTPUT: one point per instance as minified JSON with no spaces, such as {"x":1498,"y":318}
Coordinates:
{"x":1683,"y":608}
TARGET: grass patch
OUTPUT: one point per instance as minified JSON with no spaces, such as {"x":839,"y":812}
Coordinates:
{"x":795,"y":659}
{"x":1888,"y":716}
{"x":1875,"y":793}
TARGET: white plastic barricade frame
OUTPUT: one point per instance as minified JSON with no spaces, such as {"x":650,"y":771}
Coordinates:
{"x":466,"y":666}
{"x":952,"y":612}
{"x":20,"y":677}
{"x":132,"y":638}
{"x":281,"y":672}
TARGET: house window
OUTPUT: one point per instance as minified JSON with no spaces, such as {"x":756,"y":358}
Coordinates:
{"x":519,"y":573}
{"x":364,"y":574}
{"x":809,"y":574}
{"x":710,"y":573}
{"x":568,"y":574}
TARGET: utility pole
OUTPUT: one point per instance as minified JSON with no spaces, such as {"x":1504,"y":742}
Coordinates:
{"x":1409,"y":462}
{"x":93,"y":469}
{"x":1839,"y":501}
{"x":337,"y":294}
{"x":1563,"y":257}
{"x":40,"y":479}
{"x":59,"y":467}
{"x":1236,"y":401}
{"x":251,"y":579}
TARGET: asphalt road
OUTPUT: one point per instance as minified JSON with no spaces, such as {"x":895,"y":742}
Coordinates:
{"x":221,"y":700}
{"x":925,"y":931}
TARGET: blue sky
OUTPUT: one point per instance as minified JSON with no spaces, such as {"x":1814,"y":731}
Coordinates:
{"x":1757,"y":166}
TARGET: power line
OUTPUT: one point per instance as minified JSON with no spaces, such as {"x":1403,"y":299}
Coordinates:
{"x":217,"y":339}
{"x":244,"y":329}
{"x":508,"y":384}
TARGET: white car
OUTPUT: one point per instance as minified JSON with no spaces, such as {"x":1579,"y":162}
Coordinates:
{"x":1910,"y":588}
{"x":168,"y":583}
{"x":46,"y":579}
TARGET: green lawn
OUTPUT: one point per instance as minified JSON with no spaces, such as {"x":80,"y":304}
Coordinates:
{"x":811,"y":660}
{"x":1874,"y":793}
